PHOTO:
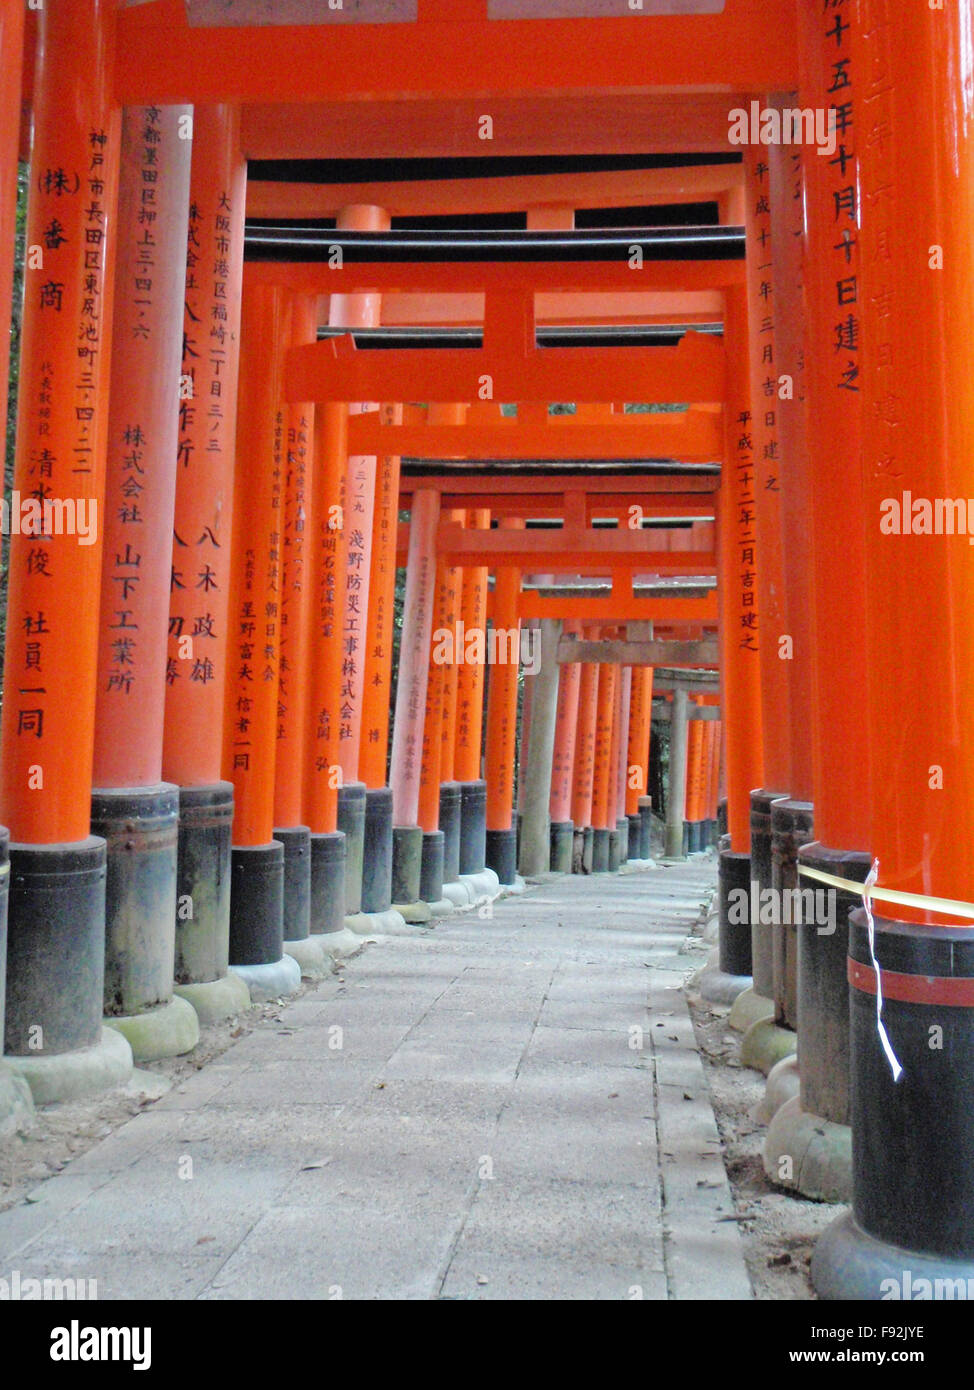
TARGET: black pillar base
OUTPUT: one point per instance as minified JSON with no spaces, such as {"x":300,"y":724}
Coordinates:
{"x":257,"y":904}
{"x":618,"y":844}
{"x":351,"y":822}
{"x":645,"y":827}
{"x":823,"y":983}
{"x":501,"y":855}
{"x":473,"y":827}
{"x":431,"y":872}
{"x":55,"y":947}
{"x":600,"y":850}
{"x":327,"y":910}
{"x":377,"y":851}
{"x":450,"y":826}
{"x":203,"y":883}
{"x":913,"y":1139}
{"x":588,"y":839}
{"x":734,"y":883}
{"x":635,"y":828}
{"x":562,"y":846}
{"x":407,"y":863}
{"x":722,"y":817}
{"x":762,"y":959}
{"x":140,"y":827}
{"x":296,"y":840}
{"x":791,"y":827}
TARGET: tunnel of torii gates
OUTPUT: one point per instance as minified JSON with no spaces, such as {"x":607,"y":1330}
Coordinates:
{"x":277,"y":299}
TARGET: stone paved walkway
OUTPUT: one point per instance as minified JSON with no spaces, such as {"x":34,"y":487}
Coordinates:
{"x":501,"y":1108}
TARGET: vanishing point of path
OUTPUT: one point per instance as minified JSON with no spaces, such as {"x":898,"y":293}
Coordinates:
{"x":509,"y":1107}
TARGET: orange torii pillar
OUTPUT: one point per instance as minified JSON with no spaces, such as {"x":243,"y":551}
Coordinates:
{"x":603,"y":808}
{"x":365,"y":886}
{"x":584,"y":771}
{"x":769,"y":593}
{"x":790,"y":816}
{"x":619,"y":845}
{"x":405,"y":773}
{"x":563,"y":764}
{"x":695,"y":754}
{"x":250,"y":722}
{"x":713,"y":792}
{"x":912,"y":1137}
{"x":428,"y":814}
{"x":639,"y":804}
{"x":501,"y":750}
{"x":467,"y":810}
{"x":192,"y":750}
{"x":56,"y":943}
{"x":295,"y":547}
{"x":741,"y":657}
{"x":15,"y":1102}
{"x":330,"y":896}
{"x":818,"y":1118}
{"x":135,"y":812}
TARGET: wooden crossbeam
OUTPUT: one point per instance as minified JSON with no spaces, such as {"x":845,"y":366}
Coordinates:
{"x":643,"y":653}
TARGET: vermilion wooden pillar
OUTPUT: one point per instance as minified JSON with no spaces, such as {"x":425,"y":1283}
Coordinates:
{"x":620,"y":763}
{"x":414,"y":669}
{"x":469,"y":800}
{"x":501,"y":747}
{"x":563,"y":764}
{"x":132,"y":808}
{"x":603,"y":809}
{"x":832,"y":522}
{"x":767,"y":464}
{"x":638,"y":801}
{"x":11,"y":46}
{"x":695,"y":753}
{"x":583,"y":775}
{"x":428,"y":810}
{"x":250,"y":730}
{"x":914,"y":297}
{"x":295,"y":545}
{"x":200,"y":565}
{"x":359,"y":311}
{"x":15,"y":1102}
{"x":333,"y":892}
{"x":56,"y":945}
{"x":740,"y":613}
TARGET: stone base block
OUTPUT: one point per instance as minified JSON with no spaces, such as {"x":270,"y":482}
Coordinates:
{"x":809,"y":1154}
{"x":310,"y":955}
{"x":168,"y":1031}
{"x":16,"y":1103}
{"x":783,"y":1085}
{"x":849,"y":1264}
{"x":388,"y":923}
{"x":717,"y":987}
{"x":749,"y":1008}
{"x":62,"y":1076}
{"x":765,"y":1044}
{"x":275,"y":980}
{"x":418,"y":912}
{"x":216,"y":1000}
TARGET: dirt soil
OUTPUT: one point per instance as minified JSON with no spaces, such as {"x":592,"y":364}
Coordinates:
{"x":778,"y":1228}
